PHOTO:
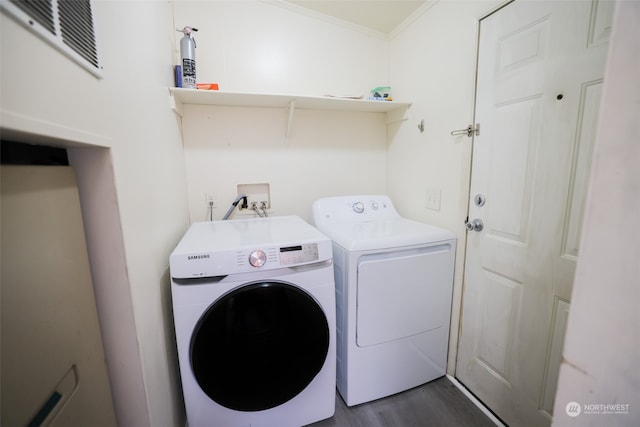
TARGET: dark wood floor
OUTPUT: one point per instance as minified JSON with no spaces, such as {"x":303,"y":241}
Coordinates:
{"x":438,"y":404}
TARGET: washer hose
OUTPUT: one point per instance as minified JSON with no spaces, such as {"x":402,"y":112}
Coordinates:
{"x":244,"y":205}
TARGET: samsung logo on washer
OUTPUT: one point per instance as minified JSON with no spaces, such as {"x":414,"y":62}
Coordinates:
{"x":192,"y":257}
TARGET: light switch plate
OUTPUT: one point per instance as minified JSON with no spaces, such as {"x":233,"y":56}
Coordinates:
{"x":433,"y":199}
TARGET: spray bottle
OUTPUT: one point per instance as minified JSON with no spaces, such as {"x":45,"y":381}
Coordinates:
{"x":188,"y":57}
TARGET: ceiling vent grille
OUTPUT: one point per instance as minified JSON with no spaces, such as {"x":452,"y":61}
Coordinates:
{"x":40,"y":10}
{"x":76,"y":26}
{"x":68,"y":25}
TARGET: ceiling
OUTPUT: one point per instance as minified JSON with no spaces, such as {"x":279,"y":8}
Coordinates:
{"x":379,"y":15}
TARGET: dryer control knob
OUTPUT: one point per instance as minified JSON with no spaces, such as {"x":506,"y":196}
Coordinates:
{"x":358,"y":207}
{"x":257,"y":258}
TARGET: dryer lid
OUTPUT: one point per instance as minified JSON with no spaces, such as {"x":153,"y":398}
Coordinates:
{"x":369,"y":222}
{"x":370,"y":235}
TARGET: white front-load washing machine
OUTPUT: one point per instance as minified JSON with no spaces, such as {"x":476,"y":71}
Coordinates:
{"x":394,"y":282}
{"x":254,"y":313}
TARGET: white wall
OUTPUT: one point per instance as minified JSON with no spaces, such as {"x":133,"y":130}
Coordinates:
{"x":432,"y":63}
{"x":328,"y":154}
{"x":602,"y":345}
{"x":133,"y":190}
{"x":256,"y":46}
{"x":260,"y":46}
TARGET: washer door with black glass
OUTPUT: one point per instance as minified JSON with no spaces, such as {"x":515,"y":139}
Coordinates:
{"x":259,"y":346}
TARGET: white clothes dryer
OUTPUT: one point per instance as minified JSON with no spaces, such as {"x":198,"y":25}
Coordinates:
{"x":394,"y":282}
{"x":254,"y":311}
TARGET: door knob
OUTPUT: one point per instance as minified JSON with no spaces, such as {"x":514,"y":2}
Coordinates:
{"x":475,"y":225}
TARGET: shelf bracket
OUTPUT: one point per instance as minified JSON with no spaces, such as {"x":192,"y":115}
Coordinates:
{"x":292,"y":107}
{"x":175,"y":104}
{"x":398,"y":115}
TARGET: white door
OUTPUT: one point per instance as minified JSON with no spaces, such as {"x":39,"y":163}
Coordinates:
{"x":540,"y":69}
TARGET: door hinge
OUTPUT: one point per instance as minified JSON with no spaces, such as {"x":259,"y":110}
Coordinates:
{"x":469,"y":131}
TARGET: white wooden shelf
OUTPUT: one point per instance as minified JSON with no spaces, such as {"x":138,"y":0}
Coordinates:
{"x":181,"y":96}
{"x":243,"y":99}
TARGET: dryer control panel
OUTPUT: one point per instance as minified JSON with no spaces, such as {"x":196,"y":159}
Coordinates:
{"x":353,"y":208}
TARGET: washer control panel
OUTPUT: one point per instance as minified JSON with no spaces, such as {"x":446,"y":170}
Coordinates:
{"x":301,"y":254}
{"x":222,"y":248}
{"x":275,"y":257}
